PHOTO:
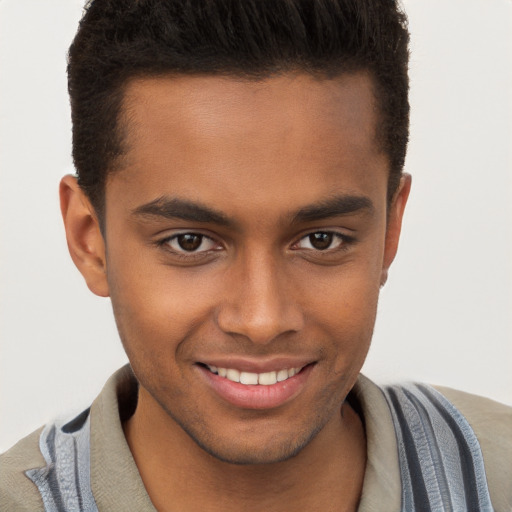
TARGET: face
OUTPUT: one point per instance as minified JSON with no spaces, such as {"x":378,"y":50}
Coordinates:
{"x":246,"y":240}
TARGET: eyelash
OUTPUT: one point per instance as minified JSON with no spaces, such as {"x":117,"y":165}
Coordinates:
{"x":345,"y":242}
{"x":183,"y":254}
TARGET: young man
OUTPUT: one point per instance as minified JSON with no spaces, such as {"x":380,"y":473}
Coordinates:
{"x":239,"y":198}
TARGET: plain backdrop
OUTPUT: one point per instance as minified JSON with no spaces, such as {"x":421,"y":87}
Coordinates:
{"x":445,"y":314}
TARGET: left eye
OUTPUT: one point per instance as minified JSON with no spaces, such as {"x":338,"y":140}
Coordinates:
{"x":321,"y":241}
{"x":191,"y":242}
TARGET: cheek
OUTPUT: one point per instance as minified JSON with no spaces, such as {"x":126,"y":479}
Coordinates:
{"x":345,"y":312}
{"x":155,"y":306}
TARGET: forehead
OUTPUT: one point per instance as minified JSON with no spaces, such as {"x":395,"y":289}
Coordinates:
{"x":208,"y":105}
{"x":293,"y":135}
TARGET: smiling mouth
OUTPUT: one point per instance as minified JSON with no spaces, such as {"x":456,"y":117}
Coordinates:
{"x":254,"y":379}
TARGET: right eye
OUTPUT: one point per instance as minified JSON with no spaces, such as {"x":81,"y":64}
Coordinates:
{"x":190,"y":243}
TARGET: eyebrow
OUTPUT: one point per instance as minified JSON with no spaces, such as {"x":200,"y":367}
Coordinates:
{"x":174,"y":208}
{"x":182,"y":209}
{"x":334,"y":207}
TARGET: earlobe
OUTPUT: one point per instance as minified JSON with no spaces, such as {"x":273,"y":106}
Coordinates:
{"x":85,"y":241}
{"x":394,"y":226}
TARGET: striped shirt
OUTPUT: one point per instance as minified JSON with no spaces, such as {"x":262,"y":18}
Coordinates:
{"x":422,"y":454}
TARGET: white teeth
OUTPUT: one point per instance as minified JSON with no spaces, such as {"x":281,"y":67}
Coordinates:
{"x":267,"y":379}
{"x":233,"y":375}
{"x":248,"y":378}
{"x":282,"y":375}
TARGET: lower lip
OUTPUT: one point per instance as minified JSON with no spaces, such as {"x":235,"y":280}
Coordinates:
{"x":257,"y":396}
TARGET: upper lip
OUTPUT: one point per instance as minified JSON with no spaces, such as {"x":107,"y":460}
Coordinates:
{"x":257,"y":365}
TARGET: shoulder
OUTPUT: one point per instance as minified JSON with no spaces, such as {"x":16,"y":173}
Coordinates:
{"x":49,"y":469}
{"x":453,"y":447}
{"x":17,"y":492}
{"x":492,"y":424}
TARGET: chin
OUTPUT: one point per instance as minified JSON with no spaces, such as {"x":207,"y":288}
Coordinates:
{"x":242,"y":450}
{"x":250,"y":455}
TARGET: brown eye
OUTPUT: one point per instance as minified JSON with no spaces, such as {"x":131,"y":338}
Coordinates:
{"x":189,"y":241}
{"x":321,"y":241}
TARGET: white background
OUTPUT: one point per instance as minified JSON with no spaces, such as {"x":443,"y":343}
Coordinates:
{"x":445,"y":314}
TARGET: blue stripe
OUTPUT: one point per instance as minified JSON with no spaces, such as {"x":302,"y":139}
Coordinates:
{"x":52,"y":473}
{"x":419,"y":490}
{"x":467,"y":460}
{"x":424,"y":419}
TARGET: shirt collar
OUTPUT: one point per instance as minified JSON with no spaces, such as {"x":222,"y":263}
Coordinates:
{"x":117,"y":485}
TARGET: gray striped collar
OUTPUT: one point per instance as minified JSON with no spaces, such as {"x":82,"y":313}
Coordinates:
{"x":89,"y":465}
{"x":441,"y":463}
{"x":64,"y":483}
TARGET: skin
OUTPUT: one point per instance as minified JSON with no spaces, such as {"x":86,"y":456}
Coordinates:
{"x":276,"y":161}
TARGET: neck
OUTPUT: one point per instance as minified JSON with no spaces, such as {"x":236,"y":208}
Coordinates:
{"x":180,"y":476}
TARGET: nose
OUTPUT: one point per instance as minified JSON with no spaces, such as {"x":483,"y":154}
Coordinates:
{"x":259,"y":302}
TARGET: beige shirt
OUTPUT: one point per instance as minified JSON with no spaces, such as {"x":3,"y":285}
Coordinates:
{"x":117,"y":485}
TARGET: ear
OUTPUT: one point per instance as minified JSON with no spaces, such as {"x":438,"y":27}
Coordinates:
{"x":85,"y":241}
{"x":395,"y":216}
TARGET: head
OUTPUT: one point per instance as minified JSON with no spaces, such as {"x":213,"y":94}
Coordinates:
{"x":240,"y":199}
{"x":121,"y":40}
